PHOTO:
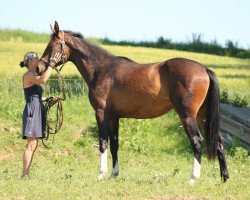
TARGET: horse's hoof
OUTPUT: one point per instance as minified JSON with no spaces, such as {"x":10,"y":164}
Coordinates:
{"x":100,"y":176}
{"x":113,"y":175}
{"x":225,"y":177}
{"x":193,"y":180}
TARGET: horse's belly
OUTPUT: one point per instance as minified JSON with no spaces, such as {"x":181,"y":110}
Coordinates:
{"x":143,"y":107}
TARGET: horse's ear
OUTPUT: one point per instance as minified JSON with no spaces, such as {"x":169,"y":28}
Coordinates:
{"x":56,"y":28}
{"x":52,"y":29}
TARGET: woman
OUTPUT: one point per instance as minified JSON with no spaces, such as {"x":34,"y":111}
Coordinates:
{"x":33,"y":114}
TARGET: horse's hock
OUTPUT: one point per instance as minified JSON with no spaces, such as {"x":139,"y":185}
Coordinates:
{"x":235,"y":121}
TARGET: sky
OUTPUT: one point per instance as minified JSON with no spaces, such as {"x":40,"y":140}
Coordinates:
{"x":134,"y":20}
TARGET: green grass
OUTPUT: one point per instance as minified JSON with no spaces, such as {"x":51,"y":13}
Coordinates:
{"x":155,"y":155}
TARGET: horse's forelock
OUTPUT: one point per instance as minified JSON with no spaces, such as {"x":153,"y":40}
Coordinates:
{"x":53,"y":35}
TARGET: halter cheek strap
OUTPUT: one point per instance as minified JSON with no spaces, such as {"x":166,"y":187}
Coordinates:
{"x":64,"y":57}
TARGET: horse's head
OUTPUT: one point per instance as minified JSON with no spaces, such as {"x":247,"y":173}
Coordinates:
{"x":56,"y":44}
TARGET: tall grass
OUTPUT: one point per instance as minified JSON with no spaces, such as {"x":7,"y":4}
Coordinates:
{"x":18,"y":35}
{"x":23,"y":36}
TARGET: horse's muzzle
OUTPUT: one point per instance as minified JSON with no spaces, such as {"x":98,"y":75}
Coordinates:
{"x":41,"y":67}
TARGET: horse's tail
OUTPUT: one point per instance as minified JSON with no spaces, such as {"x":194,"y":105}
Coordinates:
{"x":212,"y":118}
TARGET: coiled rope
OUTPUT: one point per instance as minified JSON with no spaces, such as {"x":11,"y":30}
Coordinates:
{"x":54,"y":101}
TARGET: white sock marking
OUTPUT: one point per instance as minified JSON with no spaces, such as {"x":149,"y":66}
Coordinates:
{"x":103,"y":164}
{"x":196,"y":171}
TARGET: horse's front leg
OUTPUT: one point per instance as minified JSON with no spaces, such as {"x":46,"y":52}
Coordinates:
{"x":114,"y":145}
{"x":102,"y":122}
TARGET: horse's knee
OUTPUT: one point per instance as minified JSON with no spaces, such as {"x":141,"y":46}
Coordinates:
{"x":103,"y":145}
{"x":196,"y":143}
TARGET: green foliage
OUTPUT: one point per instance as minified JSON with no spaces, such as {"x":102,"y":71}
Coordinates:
{"x":234,"y":100}
{"x":195,"y":45}
{"x":240,"y":153}
{"x":136,"y":133}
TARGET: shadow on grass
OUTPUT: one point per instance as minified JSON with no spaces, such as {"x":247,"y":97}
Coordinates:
{"x":89,"y":138}
{"x":181,"y":144}
{"x":93,"y":130}
{"x":229,"y":66}
{"x":238,"y":76}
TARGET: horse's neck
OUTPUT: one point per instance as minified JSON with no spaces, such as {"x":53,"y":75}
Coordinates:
{"x":87,"y":71}
{"x":96,"y":60}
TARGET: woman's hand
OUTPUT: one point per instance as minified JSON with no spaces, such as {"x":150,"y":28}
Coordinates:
{"x":55,"y":59}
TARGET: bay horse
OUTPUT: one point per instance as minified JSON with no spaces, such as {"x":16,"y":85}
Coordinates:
{"x":122,"y":88}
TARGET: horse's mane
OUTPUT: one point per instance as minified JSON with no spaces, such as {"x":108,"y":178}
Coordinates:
{"x":75,"y":34}
{"x":80,"y":36}
{"x":125,"y":58}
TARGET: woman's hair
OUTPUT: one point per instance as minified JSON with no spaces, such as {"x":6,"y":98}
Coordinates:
{"x":28,"y":56}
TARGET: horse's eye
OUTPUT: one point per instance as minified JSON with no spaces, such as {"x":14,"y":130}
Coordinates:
{"x":50,"y":44}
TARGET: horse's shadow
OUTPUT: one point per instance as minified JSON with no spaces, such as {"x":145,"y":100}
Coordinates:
{"x":180,"y":146}
{"x":93,"y":130}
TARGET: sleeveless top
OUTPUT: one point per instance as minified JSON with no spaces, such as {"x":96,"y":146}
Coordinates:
{"x":33,"y":91}
{"x":33,"y":113}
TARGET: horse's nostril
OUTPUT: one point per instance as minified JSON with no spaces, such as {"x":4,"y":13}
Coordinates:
{"x":39,"y":71}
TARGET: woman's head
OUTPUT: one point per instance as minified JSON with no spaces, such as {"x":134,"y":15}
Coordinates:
{"x":30,"y":60}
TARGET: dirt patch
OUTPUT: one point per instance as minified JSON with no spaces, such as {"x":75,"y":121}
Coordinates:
{"x":181,"y":198}
{"x":19,"y":198}
{"x":7,"y":153}
{"x":4,"y":157}
{"x":9,"y":129}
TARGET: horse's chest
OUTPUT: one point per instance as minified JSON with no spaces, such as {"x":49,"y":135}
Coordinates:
{"x":98,"y":97}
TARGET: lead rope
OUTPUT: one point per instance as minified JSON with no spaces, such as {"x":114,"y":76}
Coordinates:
{"x":51,"y":101}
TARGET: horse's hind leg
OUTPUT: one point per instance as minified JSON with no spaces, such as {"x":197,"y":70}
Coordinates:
{"x":220,"y":149}
{"x":192,"y":130}
{"x":222,"y":159}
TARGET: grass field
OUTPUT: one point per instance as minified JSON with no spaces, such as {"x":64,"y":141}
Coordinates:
{"x":155,"y":155}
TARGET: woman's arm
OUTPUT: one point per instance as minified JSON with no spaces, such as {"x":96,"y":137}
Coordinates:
{"x":30,"y":77}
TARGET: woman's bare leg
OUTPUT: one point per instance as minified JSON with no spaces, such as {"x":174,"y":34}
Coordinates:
{"x":28,"y":155}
